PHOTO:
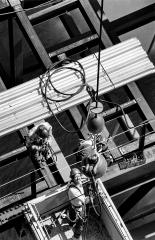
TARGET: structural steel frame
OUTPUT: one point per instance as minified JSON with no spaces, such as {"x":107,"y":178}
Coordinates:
{"x":110,"y":36}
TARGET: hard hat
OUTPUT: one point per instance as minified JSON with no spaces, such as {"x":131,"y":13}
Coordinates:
{"x":42,"y":132}
{"x":74,"y":171}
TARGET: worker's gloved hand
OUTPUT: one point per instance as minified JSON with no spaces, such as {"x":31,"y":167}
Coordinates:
{"x":87,"y":200}
{"x":89,"y":164}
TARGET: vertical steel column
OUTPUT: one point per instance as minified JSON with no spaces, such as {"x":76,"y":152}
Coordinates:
{"x":46,"y":63}
{"x":30,"y":34}
{"x":16,"y":54}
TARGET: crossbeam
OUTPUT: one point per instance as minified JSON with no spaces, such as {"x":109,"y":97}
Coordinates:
{"x":23,"y":105}
{"x":52,"y":11}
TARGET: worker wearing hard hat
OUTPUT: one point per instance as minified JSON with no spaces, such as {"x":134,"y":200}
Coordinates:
{"x":92,"y":161}
{"x":40,"y":148}
{"x":77,"y":198}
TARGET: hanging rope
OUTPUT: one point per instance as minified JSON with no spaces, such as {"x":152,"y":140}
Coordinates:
{"x":99,"y":54}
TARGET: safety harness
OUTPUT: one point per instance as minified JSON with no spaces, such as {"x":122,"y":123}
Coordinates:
{"x":78,"y":207}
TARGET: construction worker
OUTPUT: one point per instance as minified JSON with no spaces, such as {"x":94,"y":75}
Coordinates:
{"x":92,"y":162}
{"x":77,"y":212}
{"x":40,"y":146}
{"x":102,"y":147}
{"x":39,"y":142}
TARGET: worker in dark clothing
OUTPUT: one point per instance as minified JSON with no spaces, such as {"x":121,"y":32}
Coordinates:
{"x":77,"y":212}
{"x":39,"y":142}
{"x":92,"y":162}
{"x":102,"y":147}
{"x":40,"y":147}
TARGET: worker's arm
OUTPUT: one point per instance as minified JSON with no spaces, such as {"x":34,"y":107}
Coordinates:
{"x":35,"y":147}
{"x":76,"y":197}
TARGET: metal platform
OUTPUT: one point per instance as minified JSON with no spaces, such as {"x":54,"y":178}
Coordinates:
{"x":42,"y":214}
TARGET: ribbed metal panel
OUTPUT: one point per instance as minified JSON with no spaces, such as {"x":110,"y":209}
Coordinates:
{"x":24,"y":105}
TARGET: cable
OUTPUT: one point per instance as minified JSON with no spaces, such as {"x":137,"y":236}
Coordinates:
{"x":118,"y":105}
{"x":27,"y":185}
{"x":53,"y":2}
{"x":28,"y":9}
{"x":111,"y":102}
{"x":105,"y":72}
{"x":68,"y":157}
{"x":74,"y":154}
{"x":46,"y":83}
{"x":53,"y":172}
{"x":49,"y":74}
{"x":111,"y":137}
{"x":99,"y":54}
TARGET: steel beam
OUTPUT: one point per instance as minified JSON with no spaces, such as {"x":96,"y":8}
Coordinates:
{"x":133,"y":88}
{"x":85,"y":40}
{"x":70,"y":25}
{"x":134,"y":20}
{"x":52,"y":11}
{"x":77,"y":120}
{"x":16,"y":53}
{"x":151,"y":50}
{"x":140,"y":216}
{"x":133,"y":199}
{"x":30,"y":34}
{"x":33,"y":185}
{"x":144,"y":106}
{"x":46,"y":63}
{"x":92,"y":19}
{"x":2,"y":85}
{"x":77,"y":117}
